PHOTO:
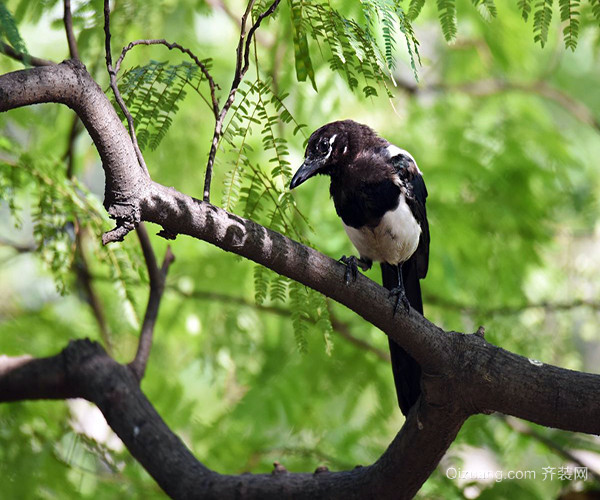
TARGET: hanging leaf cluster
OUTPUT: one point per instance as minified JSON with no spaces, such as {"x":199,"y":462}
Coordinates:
{"x":153,"y":93}
{"x":60,"y":209}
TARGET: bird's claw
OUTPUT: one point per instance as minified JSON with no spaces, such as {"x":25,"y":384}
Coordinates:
{"x":401,"y":298}
{"x":351,"y":264}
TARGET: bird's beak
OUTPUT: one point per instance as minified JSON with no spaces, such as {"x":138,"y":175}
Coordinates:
{"x":305,"y":172}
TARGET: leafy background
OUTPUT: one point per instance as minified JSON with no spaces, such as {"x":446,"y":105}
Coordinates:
{"x":498,"y":102}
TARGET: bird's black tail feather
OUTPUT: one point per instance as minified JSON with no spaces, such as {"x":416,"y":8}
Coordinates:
{"x":407,"y":372}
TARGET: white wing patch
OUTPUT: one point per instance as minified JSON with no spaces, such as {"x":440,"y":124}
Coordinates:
{"x":393,"y":241}
{"x":395,"y":151}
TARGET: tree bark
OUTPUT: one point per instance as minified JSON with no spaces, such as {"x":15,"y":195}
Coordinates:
{"x":462,"y":374}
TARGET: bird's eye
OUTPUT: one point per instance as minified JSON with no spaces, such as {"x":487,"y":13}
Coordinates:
{"x":323,"y":146}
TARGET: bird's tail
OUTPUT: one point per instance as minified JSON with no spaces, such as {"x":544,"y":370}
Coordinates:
{"x":407,"y":372}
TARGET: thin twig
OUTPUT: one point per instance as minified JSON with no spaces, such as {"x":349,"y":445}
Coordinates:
{"x":344,"y":330}
{"x":253,"y":29}
{"x":19,"y":247}
{"x":507,"y":310}
{"x":171,"y":46}
{"x":525,"y":429}
{"x":338,"y":325}
{"x":157,"y":286}
{"x":115,"y":88}
{"x":242,"y":57}
{"x":84,"y":277}
{"x":68,"y":22}
{"x":24,"y":58}
{"x":488,"y":87}
{"x":82,"y":268}
{"x":220,"y":4}
{"x":69,"y":155}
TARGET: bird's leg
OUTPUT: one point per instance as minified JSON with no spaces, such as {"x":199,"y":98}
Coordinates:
{"x":352,"y":264}
{"x":400,"y":293}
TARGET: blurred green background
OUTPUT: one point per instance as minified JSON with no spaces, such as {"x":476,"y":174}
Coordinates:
{"x":247,"y":368}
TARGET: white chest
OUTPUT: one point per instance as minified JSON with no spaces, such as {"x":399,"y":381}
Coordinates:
{"x":393,"y":241}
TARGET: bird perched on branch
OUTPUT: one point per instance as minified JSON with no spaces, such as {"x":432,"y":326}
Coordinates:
{"x":379,"y":193}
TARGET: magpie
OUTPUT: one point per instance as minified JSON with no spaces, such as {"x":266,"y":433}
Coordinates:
{"x":379,"y":193}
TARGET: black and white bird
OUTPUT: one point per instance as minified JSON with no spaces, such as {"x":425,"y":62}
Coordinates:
{"x":379,"y":193}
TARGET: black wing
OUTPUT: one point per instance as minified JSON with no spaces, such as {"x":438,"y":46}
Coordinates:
{"x":416,"y":194}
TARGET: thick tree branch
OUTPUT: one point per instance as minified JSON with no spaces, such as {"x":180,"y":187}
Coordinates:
{"x":83,"y":369}
{"x":462,"y":374}
{"x":547,"y":395}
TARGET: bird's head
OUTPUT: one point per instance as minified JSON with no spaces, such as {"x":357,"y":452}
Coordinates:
{"x":329,"y":146}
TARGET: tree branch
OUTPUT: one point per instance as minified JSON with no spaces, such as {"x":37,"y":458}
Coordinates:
{"x":115,"y":88}
{"x":171,"y":46}
{"x":497,"y":380}
{"x":506,"y":310}
{"x":526,"y":430}
{"x":24,"y":58}
{"x":157,"y":277}
{"x":68,"y":22}
{"x":83,"y":369}
{"x":242,"y":56}
{"x":83,"y":275}
{"x":484,"y":88}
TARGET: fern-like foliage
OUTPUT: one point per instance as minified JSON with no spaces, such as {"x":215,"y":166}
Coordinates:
{"x":596,"y":9}
{"x":300,"y":316}
{"x":487,"y":8}
{"x":304,"y":66}
{"x":414,"y":8}
{"x":447,"y":15}
{"x":262,"y":193}
{"x":569,"y":14}
{"x":9,"y":30}
{"x":152,"y":94}
{"x":525,"y":8}
{"x":390,"y":15}
{"x":541,"y":9}
{"x":309,"y":313}
{"x":349,"y":48}
{"x":258,"y":189}
{"x":56,"y":203}
{"x":541,"y":21}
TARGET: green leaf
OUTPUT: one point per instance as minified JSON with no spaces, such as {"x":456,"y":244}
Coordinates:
{"x":570,"y":15}
{"x":304,"y":66}
{"x":9,"y":30}
{"x":525,"y":7}
{"x":415,"y":8}
{"x":153,"y":93}
{"x":596,"y":9}
{"x":541,"y":21}
{"x":487,"y":8}
{"x":447,"y":15}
